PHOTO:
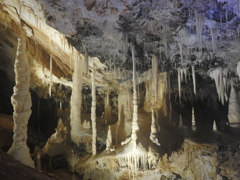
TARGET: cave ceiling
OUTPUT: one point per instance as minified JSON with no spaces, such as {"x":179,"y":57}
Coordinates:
{"x":181,"y":33}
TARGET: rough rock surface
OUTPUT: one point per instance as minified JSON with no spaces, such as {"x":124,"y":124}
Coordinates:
{"x":11,"y":169}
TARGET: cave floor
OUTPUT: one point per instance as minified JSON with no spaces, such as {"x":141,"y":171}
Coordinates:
{"x":230,"y":139}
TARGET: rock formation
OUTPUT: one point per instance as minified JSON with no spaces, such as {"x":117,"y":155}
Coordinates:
{"x":143,"y":88}
{"x":21,"y":101}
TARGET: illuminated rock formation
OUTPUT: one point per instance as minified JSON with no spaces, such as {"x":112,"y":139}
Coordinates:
{"x":76,"y":101}
{"x":21,"y":101}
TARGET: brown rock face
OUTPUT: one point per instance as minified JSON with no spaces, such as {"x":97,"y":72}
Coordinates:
{"x":6,"y":121}
{"x":89,"y":4}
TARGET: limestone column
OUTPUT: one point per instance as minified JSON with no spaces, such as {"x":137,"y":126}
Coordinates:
{"x":135,"y":125}
{"x":93,"y":114}
{"x":21,"y":101}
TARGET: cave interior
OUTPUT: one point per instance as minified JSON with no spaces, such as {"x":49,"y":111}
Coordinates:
{"x":129,"y":89}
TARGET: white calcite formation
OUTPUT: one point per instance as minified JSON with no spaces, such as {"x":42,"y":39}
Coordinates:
{"x":155,"y":75}
{"x":21,"y":101}
{"x":50,"y":67}
{"x":109,"y":139}
{"x":219,"y":75}
{"x":76,"y":101}
{"x":159,"y":103}
{"x":214,"y":126}
{"x":86,"y":63}
{"x":135,"y":125}
{"x":193,"y":117}
{"x":233,"y":107}
{"x":154,"y":130}
{"x":86,"y":124}
{"x":179,"y":86}
{"x":194,"y":79}
{"x":199,"y":26}
{"x":93,"y":114}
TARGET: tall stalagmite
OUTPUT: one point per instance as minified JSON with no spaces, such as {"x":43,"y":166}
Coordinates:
{"x":76,"y":100}
{"x":135,"y":125}
{"x":21,"y":101}
{"x":93,"y":115}
{"x":233,"y":107}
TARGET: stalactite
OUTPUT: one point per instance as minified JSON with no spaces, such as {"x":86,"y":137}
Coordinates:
{"x":135,"y":126}
{"x":217,"y":74}
{"x":180,"y":121}
{"x":214,"y":37}
{"x":93,"y":114}
{"x":199,"y":26}
{"x":21,"y":101}
{"x":76,"y":100}
{"x":238,"y":7}
{"x":50,"y":77}
{"x":107,"y":109}
{"x":194,"y":79}
{"x":155,"y":75}
{"x":86,"y":63}
{"x":185,"y":73}
{"x":180,"y":44}
{"x":179,"y":85}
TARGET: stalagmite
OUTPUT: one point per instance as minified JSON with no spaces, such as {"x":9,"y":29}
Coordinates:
{"x":233,"y":107}
{"x":194,"y":79}
{"x":93,"y":114}
{"x":135,"y":125}
{"x":60,"y":105}
{"x":214,"y":126}
{"x":153,"y":134}
{"x":76,"y":101}
{"x":86,"y":124}
{"x":21,"y":101}
{"x":193,"y":118}
{"x":109,"y":139}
